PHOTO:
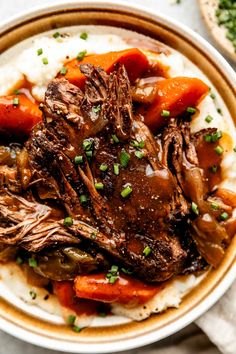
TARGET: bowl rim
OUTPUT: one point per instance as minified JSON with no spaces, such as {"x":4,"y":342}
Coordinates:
{"x":142,"y":340}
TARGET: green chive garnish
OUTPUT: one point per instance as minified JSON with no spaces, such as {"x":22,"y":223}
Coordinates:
{"x":212,"y":95}
{"x":99,"y":186}
{"x":89,"y":153}
{"x":126,"y":191}
{"x":16,"y":101}
{"x":39,"y":51}
{"x":214,"y":168}
{"x":216,"y":136}
{"x":207,"y":138}
{"x":139,"y":154}
{"x":81,"y":55}
{"x":115,"y":139}
{"x":103,"y":167}
{"x":32,"y":262}
{"x":124,"y":158}
{"x":209,"y":119}
{"x":224,"y":216}
{"x":87,"y":144}
{"x":141,"y":144}
{"x":83,"y":199}
{"x":219,"y":110}
{"x":165,"y":113}
{"x":45,"y":61}
{"x":96,"y":109}
{"x":78,"y":159}
{"x":134,"y":143}
{"x":84,"y":35}
{"x":214,"y":206}
{"x":147,"y":250}
{"x":63,"y":70}
{"x":126,"y":271}
{"x":76,"y":329}
{"x":19,"y":260}
{"x":33,"y":295}
{"x":16,"y":92}
{"x":116,"y":169}
{"x":68,"y":221}
{"x":191,"y":110}
{"x":71,"y":320}
{"x":56,"y":34}
{"x":235,"y":149}
{"x":219,"y":150}
{"x":195,"y":208}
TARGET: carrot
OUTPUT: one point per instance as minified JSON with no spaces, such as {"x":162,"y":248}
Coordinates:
{"x":134,"y":60}
{"x":125,"y":290}
{"x":174,"y":95}
{"x":18,"y":114}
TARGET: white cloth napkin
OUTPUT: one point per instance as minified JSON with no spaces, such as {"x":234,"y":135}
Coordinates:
{"x":219,"y":323}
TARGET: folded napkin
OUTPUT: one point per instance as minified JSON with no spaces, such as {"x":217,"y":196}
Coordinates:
{"x":219,"y":323}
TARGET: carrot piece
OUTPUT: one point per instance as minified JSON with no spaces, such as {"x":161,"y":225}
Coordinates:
{"x":67,"y":298}
{"x":174,"y":95}
{"x":18,"y":114}
{"x":125,"y":290}
{"x":134,"y":60}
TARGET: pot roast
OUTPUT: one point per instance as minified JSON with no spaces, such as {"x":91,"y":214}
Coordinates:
{"x":92,"y":180}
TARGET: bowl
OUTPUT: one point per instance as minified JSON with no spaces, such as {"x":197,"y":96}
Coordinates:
{"x":112,"y":337}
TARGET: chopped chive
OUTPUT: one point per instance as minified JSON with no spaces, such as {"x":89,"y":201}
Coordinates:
{"x":103,"y":167}
{"x":219,"y":150}
{"x":89,"y":153}
{"x":214,"y":168}
{"x":81,"y":55}
{"x":56,"y":34}
{"x":45,"y":61}
{"x":115,"y":139}
{"x":32,"y":262}
{"x":71,"y":320}
{"x":124,"y":158}
{"x":84,"y":35}
{"x":96,"y":109}
{"x":76,"y":329}
{"x":114,"y":269}
{"x":209,"y":119}
{"x":191,"y":110}
{"x":126,"y":191}
{"x":83,"y":199}
{"x":19,"y":260}
{"x":219,"y":110}
{"x":78,"y":159}
{"x":141,"y":144}
{"x":207,"y":138}
{"x":63,"y":70}
{"x":195,"y":208}
{"x":214,"y":206}
{"x":113,"y":279}
{"x":99,"y":186}
{"x":116,"y":169}
{"x":165,"y":113}
{"x":39,"y":51}
{"x":134,"y":143}
{"x":16,"y":101}
{"x":68,"y":221}
{"x":224,"y":216}
{"x":216,"y":136}
{"x":147,"y":250}
{"x":16,"y":92}
{"x":234,"y":149}
{"x":33,"y":294}
{"x":87,"y":144}
{"x":212,"y":95}
{"x":139,"y":154}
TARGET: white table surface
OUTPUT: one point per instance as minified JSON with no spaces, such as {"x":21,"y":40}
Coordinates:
{"x":187,"y":12}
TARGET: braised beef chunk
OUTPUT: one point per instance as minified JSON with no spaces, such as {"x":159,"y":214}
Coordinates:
{"x":138,"y":200}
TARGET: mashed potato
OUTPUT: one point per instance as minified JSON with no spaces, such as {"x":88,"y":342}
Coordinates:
{"x":23,"y":61}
